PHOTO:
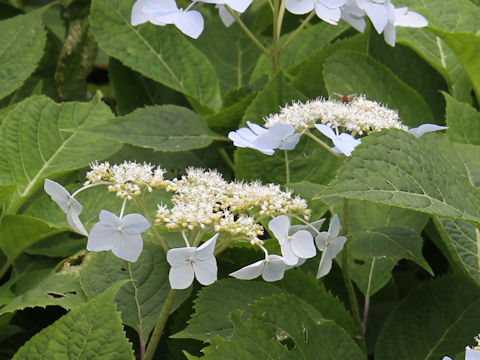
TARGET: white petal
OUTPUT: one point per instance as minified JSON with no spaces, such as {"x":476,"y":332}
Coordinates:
{"x":102,"y":237}
{"x":280,"y":130}
{"x":333,"y":4}
{"x":279,"y":226}
{"x":257,"y":129}
{"x":274,"y":268}
{"x":326,"y":130}
{"x":334,"y":228}
{"x":76,"y":224}
{"x":205,"y":251}
{"x":206,"y":270}
{"x":346,"y":143}
{"x":378,"y":14}
{"x":471,"y":354}
{"x":181,"y":277}
{"x":302,"y":244}
{"x":152,"y":6}
{"x":134,"y":224}
{"x":328,"y":15}
{"x":406,"y":18}
{"x":287,"y":253}
{"x":107,"y":217}
{"x":243,"y":137}
{"x":321,"y":240}
{"x":249,"y":272}
{"x":335,"y":246}
{"x":239,"y":5}
{"x":358,"y":23}
{"x":179,"y":256}
{"x":164,"y":18}
{"x":128,"y":247}
{"x":426,"y":128}
{"x":390,"y":34}
{"x":138,"y":16}
{"x":225,"y":16}
{"x":290,"y":142}
{"x":299,"y":7}
{"x":190,"y":23}
{"x":58,"y":194}
{"x":325,"y":265}
{"x":310,"y":228}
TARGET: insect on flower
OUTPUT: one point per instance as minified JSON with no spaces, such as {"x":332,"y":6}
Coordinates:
{"x":345,"y":99}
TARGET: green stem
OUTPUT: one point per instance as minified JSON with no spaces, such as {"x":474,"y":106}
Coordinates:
{"x":139,"y":314}
{"x":348,"y":281}
{"x":160,"y":325}
{"x":287,"y":168}
{"x":248,"y":32}
{"x":366,"y":307}
{"x":324,"y":145}
{"x":297,"y":31}
{"x":228,"y":161}
{"x":155,"y":233}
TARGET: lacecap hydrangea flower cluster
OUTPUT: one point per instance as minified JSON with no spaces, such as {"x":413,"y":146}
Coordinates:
{"x":203,"y":205}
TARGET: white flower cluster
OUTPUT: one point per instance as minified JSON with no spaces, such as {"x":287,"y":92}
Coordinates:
{"x":358,"y":115}
{"x":204,"y":199}
{"x":126,"y":179}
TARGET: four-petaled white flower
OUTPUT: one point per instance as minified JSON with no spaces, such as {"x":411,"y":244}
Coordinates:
{"x":331,"y":244}
{"x":279,"y":136}
{"x":120,"y":235}
{"x":272,"y":268}
{"x":327,"y":10}
{"x":344,"y":143}
{"x":294,"y":247}
{"x":426,"y":128}
{"x":164,"y":12}
{"x":192,"y":262}
{"x":67,"y":203}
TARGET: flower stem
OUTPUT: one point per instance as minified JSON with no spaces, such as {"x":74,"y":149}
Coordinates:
{"x":140,"y":317}
{"x":348,"y":281}
{"x":160,"y":325}
{"x":367,"y":297}
{"x":155,"y":233}
{"x":287,"y":168}
{"x":297,"y":31}
{"x":248,"y":32}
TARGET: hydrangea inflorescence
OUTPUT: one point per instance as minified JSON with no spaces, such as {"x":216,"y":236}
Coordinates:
{"x":208,"y":211}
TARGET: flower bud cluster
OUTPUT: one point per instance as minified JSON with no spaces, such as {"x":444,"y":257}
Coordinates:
{"x":127,"y":179}
{"x":204,"y":199}
{"x":358,"y":115}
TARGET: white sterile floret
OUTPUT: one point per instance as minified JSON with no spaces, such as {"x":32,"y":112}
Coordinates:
{"x":297,"y":246}
{"x":354,"y":15}
{"x":426,"y":128}
{"x":191,"y":262}
{"x":272,"y":268}
{"x":237,"y":5}
{"x":327,"y":10}
{"x":120,"y":235}
{"x":164,"y":12}
{"x":67,"y":203}
{"x":358,"y":116}
{"x":344,"y":143}
{"x":331,"y":244}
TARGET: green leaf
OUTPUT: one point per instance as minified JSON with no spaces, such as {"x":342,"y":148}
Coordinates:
{"x":163,"y":128}
{"x":215,"y":302}
{"x":41,"y":138}
{"x":264,"y":333}
{"x":308,"y":161}
{"x":18,"y":232}
{"x":91,"y":331}
{"x":390,"y":242}
{"x":462,"y":120}
{"x":434,"y":320}
{"x":75,"y":61}
{"x":395,"y":168}
{"x":160,"y":53}
{"x":348,"y":72}
{"x":58,"y":289}
{"x":6,"y":191}
{"x":306,"y":42}
{"x":22,"y":39}
{"x":141,"y":300}
{"x":466,"y":47}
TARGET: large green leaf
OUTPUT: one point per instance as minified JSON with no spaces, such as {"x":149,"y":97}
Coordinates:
{"x":463,"y":121}
{"x":41,"y":139}
{"x":395,"y":168}
{"x":163,"y":128}
{"x":466,"y":47}
{"x":264,"y":333}
{"x":6,"y":191}
{"x":348,"y":72}
{"x":22,"y":39}
{"x":434,"y":320}
{"x":308,"y":161}
{"x":141,"y":300}
{"x":160,"y":53}
{"x":91,"y":331}
{"x":18,"y":232}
